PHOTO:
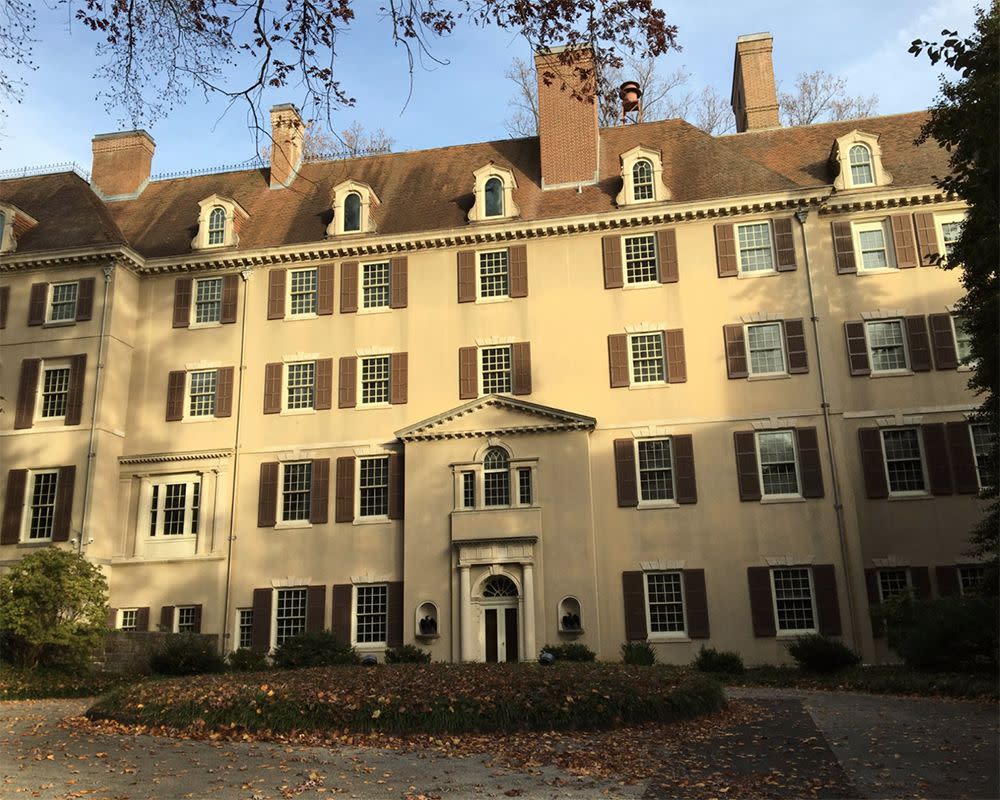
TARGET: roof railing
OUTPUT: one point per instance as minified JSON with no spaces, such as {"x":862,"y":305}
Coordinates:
{"x":251,"y":163}
{"x":45,"y":169}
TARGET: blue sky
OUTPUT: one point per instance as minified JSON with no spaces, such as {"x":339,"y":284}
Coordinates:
{"x":466,"y":100}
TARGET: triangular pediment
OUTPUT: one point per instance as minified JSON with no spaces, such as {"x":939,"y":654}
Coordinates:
{"x":495,"y":415}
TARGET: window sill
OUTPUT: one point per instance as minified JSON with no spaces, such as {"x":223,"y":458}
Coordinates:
{"x":485,"y":301}
{"x":668,"y":638}
{"x":878,"y":271}
{"x":767,"y":501}
{"x":370,"y":647}
{"x":915,"y":496}
{"x":794,"y":634}
{"x":292,"y":317}
{"x":36,"y":543}
{"x":203,"y":418}
{"x":764,"y":273}
{"x":380,"y":520}
{"x":61,"y":323}
{"x":776,"y":376}
{"x":649,"y":505}
{"x":374,"y":310}
{"x":648,"y":385}
{"x":194,"y":326}
{"x":53,"y":421}
{"x":896,"y":373}
{"x":368,"y":406}
{"x":480,"y":509}
{"x":296,"y":412}
{"x":292,"y":524}
{"x":644,"y":285}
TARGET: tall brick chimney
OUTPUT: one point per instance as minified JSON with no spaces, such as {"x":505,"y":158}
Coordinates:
{"x":287,"y":132}
{"x":567,"y":125}
{"x":755,"y":96}
{"x":122,"y":164}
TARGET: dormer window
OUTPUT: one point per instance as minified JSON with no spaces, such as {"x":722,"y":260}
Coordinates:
{"x":352,"y":213}
{"x":494,"y":197}
{"x":219,"y":222}
{"x":14,"y":223}
{"x":861,"y":165}
{"x":493,"y":194}
{"x":217,"y":226}
{"x":353,"y":206}
{"x":642,"y":180}
{"x":642,"y":177}
{"x":857,"y":161}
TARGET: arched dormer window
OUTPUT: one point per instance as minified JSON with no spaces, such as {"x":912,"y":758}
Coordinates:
{"x":352,"y":213}
{"x":217,"y":226}
{"x":642,"y":177}
{"x":494,"y":197}
{"x":219,"y":222}
{"x":861,"y":165}
{"x":493,"y":194}
{"x":856,"y":162}
{"x":496,"y":477}
{"x":642,"y":180}
{"x":353,"y":206}
{"x":14,"y":223}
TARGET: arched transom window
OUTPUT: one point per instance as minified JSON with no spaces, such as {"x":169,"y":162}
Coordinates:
{"x":494,"y":197}
{"x":217,"y":226}
{"x":499,"y":586}
{"x":861,"y":165}
{"x":352,"y":212}
{"x":642,"y":180}
{"x":496,"y":477}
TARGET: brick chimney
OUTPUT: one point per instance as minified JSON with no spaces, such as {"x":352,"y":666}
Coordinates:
{"x":567,"y":125}
{"x":287,"y":132}
{"x":122,"y":164}
{"x":755,"y":96}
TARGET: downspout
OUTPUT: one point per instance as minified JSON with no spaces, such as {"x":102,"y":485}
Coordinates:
{"x":838,"y":505}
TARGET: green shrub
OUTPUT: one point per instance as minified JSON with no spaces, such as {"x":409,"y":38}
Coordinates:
{"x":570,"y":652}
{"x":817,"y":653}
{"x":407,"y":654}
{"x":319,"y":649}
{"x":187,"y":654}
{"x":712,"y":660}
{"x":947,"y":633}
{"x":244,"y":660}
{"x":641,"y":653}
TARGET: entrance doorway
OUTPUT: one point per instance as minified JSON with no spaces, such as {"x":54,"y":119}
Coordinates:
{"x":500,"y":620}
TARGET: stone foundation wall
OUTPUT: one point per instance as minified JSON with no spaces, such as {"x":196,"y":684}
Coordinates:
{"x":129,"y":652}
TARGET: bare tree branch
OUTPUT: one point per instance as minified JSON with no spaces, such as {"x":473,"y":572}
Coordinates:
{"x":822,"y":97}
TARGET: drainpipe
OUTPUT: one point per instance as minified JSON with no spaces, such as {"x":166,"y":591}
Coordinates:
{"x":838,"y":505}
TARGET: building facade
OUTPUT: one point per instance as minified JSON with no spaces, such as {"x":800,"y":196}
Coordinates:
{"x":602,"y":385}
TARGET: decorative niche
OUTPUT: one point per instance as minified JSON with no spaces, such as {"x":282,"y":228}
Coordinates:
{"x":425,"y":623}
{"x":570,"y":616}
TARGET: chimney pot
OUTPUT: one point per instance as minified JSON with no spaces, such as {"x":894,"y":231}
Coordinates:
{"x":755,"y":95}
{"x":287,"y":133}
{"x":567,"y":125}
{"x":121,"y":164}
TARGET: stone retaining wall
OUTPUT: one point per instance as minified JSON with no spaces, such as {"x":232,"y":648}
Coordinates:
{"x":127,"y":652}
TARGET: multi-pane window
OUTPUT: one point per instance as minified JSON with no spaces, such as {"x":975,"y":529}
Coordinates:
{"x":373,"y":486}
{"x":352,"y":212}
{"x":963,"y":339}
{"x":640,"y":259}
{"x":767,"y":354}
{"x":375,"y":285}
{"x":872,"y":245}
{"x":950,"y":233}
{"x":202,"y":395}
{"x":217,"y":225}
{"x":886,"y":345}
{"x":891,"y":583}
{"x":185,"y":619}
{"x":468,"y":489}
{"x":755,"y":250}
{"x":776,"y":452}
{"x":665,"y":602}
{"x":43,"y":505}
{"x":129,"y":620}
{"x":642,"y":180}
{"x":55,"y":392}
{"x":793,"y":600}
{"x":969,"y":578}
{"x":208,"y":300}
{"x":63,"y":305}
{"x":903,"y":464}
{"x":371,"y":614}
{"x":494,"y":197}
{"x":861,"y":165}
{"x":174,"y":507}
{"x":647,"y":357}
{"x":494,"y":275}
{"x":496,"y":477}
{"x":244,"y":622}
{"x":374,"y":380}
{"x":495,"y":369}
{"x":296,"y":491}
{"x":984,"y":445}
{"x":524,"y":491}
{"x":656,"y":473}
{"x":301,"y":385}
{"x":302,"y":292}
{"x":290,"y":614}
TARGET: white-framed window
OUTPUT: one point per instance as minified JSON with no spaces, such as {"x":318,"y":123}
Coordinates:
{"x":860,"y":158}
{"x":873,"y":242}
{"x":493,"y":190}
{"x":217,"y":226}
{"x":468,"y":489}
{"x":754,"y":247}
{"x":174,"y":506}
{"x":128,"y":619}
{"x":207,"y":301}
{"x":892,"y":583}
{"x":184,"y":619}
{"x":54,"y":391}
{"x":984,"y":447}
{"x":244,"y":628}
{"x":963,"y":339}
{"x":495,"y":370}
{"x":665,"y":604}
{"x":496,"y":477}
{"x":495,"y":480}
{"x":300,"y":385}
{"x":525,"y":490}
{"x":219,"y":219}
{"x":655,"y":468}
{"x":778,"y":464}
{"x":765,"y":344}
{"x":353,"y":209}
{"x":373,"y":486}
{"x":289,"y":614}
{"x":794,"y":599}
{"x":296,"y":491}
{"x":642,"y":180}
{"x":642,"y":177}
{"x":904,"y":463}
{"x":202,"y":386}
{"x":375,"y":285}
{"x":494,"y":274}
{"x":39,"y":522}
{"x":949,"y":231}
{"x":969,"y":577}
{"x":302,"y":285}
{"x":640,"y":259}
{"x":646,"y":358}
{"x":887,"y":346}
{"x":371,"y":614}
{"x":62,"y":302}
{"x":375,"y":372}
{"x":493,"y":197}
{"x":352,"y":213}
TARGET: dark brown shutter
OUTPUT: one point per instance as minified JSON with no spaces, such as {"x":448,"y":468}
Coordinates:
{"x":947,"y":580}
{"x":468,"y":373}
{"x":784,"y":244}
{"x":872,"y":466}
{"x":736,"y":351}
{"x":611,"y":253}
{"x":347,"y":396}
{"x":399,"y":284}
{"x":761,"y":607}
{"x":936,"y":455}
{"x":725,"y":251}
{"x":827,"y":604}
{"x":348,"y":287}
{"x":618,"y":360}
{"x":324,"y":384}
{"x":142,"y":619}
{"x":176,"y":380}
{"x":628,"y":491}
{"x":634,"y":594}
{"x":84,"y":299}
{"x":517,"y":263}
{"x":843,"y":248}
{"x":345,"y":489}
{"x":810,"y":467}
{"x":196,"y":617}
{"x":182,"y":302}
{"x":902,"y":241}
{"x":919,"y":343}
{"x":466,"y":276}
{"x":684,"y":476}
{"x":795,"y":344}
{"x":4,"y":305}
{"x":746,"y":465}
{"x":74,"y":397}
{"x":963,"y":463}
{"x":343,"y":600}
{"x":399,"y":379}
{"x":111,"y":620}
{"x":676,"y":360}
{"x":927,"y":246}
{"x":666,"y":251}
{"x":920,"y":579}
{"x":230,"y":294}
{"x":272,"y":387}
{"x":871,"y":587}
{"x":394,"y":614}
{"x":260,"y":631}
{"x":396,"y":486}
{"x":36,"y":303}
{"x":26,"y":390}
{"x":13,"y":506}
{"x":943,"y":341}
{"x":275,"y":302}
{"x":319,"y":492}
{"x":267,"y":497}
{"x":224,"y":377}
{"x":324,"y":289}
{"x":315,"y":608}
{"x":520,"y":357}
{"x":857,"y":348}
{"x":696,"y":600}
{"x":167,"y":619}
{"x":63,"y":517}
